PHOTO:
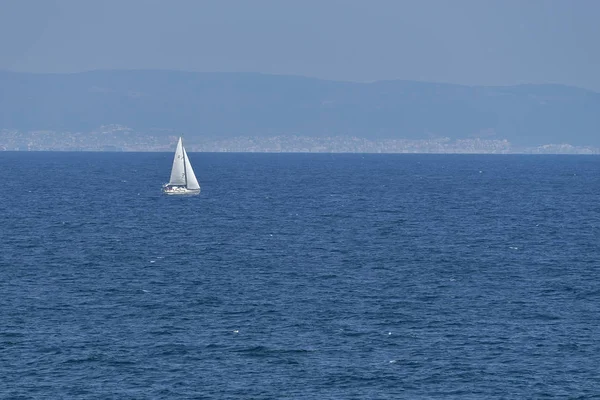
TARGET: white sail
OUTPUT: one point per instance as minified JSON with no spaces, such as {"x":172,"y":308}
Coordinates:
{"x":178,"y":170}
{"x":192,"y":182}
{"x":183,"y":180}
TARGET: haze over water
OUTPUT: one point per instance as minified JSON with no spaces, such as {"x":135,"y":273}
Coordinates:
{"x":300,"y":276}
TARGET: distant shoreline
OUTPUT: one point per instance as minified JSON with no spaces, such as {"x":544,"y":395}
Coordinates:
{"x":301,"y":152}
{"x":263,"y":112}
{"x":116,"y":138}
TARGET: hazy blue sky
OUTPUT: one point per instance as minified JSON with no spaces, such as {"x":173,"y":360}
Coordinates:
{"x":458,"y":41}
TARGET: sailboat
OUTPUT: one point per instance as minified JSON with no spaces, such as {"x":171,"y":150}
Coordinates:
{"x":183,"y":180}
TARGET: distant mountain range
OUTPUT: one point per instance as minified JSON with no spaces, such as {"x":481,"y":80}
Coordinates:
{"x":225,"y":105}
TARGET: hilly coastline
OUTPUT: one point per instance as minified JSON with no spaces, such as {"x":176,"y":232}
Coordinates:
{"x":222,"y":106}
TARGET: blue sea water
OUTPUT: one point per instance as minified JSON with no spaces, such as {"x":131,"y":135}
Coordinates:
{"x":300,"y":276}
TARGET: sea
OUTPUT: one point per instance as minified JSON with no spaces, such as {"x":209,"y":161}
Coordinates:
{"x":300,"y":276}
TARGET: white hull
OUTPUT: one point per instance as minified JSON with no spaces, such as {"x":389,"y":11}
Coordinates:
{"x":180,"y":191}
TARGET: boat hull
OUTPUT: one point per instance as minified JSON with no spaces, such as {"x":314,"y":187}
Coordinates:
{"x":180,"y":191}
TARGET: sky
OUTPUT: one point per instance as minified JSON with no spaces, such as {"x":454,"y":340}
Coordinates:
{"x":471,"y":42}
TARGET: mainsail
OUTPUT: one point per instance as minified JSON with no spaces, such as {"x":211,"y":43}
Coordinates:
{"x":178,"y":170}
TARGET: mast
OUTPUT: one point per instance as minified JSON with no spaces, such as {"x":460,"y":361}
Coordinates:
{"x":184,"y":163}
